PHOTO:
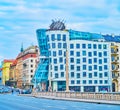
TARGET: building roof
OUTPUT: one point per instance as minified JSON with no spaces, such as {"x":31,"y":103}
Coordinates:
{"x":8,"y":60}
{"x":111,"y":38}
{"x":14,"y":63}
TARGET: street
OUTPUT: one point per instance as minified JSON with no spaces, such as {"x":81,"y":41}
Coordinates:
{"x":14,"y":102}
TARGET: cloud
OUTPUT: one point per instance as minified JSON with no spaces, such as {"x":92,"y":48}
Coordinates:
{"x":20,"y":19}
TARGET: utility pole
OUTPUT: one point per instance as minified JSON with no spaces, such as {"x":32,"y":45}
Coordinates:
{"x":67,"y":72}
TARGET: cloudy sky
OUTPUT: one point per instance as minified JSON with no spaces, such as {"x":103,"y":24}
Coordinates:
{"x":19,"y":19}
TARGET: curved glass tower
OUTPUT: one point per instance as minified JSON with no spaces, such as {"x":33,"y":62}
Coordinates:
{"x":41,"y":75}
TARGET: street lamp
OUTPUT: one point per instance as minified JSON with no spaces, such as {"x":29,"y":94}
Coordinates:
{"x":67,"y":72}
{"x":50,"y":79}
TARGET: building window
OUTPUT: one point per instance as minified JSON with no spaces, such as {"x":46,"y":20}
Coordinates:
{"x":105,"y":67}
{"x":72,"y":74}
{"x":56,"y":68}
{"x":90,"y":68}
{"x":53,"y":45}
{"x":84,"y":53}
{"x":72,"y":67}
{"x":71,"y":46}
{"x":59,"y":45}
{"x":62,"y":74}
{"x":84,"y":67}
{"x":104,"y":46}
{"x":84,"y":59}
{"x":48,"y":38}
{"x":105,"y":60}
{"x":31,"y":66}
{"x":71,"y":53}
{"x":100,"y":68}
{"x":90,"y":61}
{"x":61,"y":67}
{"x":100,"y":81}
{"x":48,"y":46}
{"x":64,"y":37}
{"x":105,"y":53}
{"x":55,"y":61}
{"x":84,"y":81}
{"x":95,"y":67}
{"x":90,"y":81}
{"x":95,"y":53}
{"x":56,"y":75}
{"x":100,"y":54}
{"x":100,"y":61}
{"x":72,"y":60}
{"x":77,"y":54}
{"x":58,"y":36}
{"x":31,"y":76}
{"x":77,"y":46}
{"x":95,"y":74}
{"x":61,"y":59}
{"x":64,"y":45}
{"x":100,"y":75}
{"x":60,"y":52}
{"x":95,"y":81}
{"x":105,"y":74}
{"x":95,"y":60}
{"x":90,"y":75}
{"x":31,"y":60}
{"x":49,"y":53}
{"x":50,"y":60}
{"x":31,"y":71}
{"x":78,"y":81}
{"x":72,"y":81}
{"x":84,"y":74}
{"x":89,"y":46}
{"x":89,"y":54}
{"x":94,"y":46}
{"x":84,"y":46}
{"x":106,"y":82}
{"x":99,"y":46}
{"x":53,"y":37}
{"x":78,"y":68}
{"x":78,"y":75}
{"x":78,"y":61}
{"x":54,"y":53}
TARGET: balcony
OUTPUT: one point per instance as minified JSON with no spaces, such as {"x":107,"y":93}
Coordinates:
{"x":114,"y":54}
{"x":115,"y":62}
{"x":114,"y":46}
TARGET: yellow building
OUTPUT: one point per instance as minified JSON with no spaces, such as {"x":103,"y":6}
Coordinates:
{"x":5,"y":70}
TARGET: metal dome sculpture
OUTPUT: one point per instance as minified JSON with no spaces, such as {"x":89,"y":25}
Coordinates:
{"x":57,"y":25}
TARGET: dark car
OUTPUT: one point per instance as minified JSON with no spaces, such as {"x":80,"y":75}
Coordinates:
{"x":27,"y":91}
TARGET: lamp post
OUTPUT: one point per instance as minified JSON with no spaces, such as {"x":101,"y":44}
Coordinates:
{"x":50,"y":80}
{"x":67,"y":72}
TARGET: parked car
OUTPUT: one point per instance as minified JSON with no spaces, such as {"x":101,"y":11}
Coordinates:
{"x":26,"y":91}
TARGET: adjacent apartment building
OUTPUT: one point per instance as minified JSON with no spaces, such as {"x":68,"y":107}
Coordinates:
{"x":85,"y":57}
{"x":26,"y":66}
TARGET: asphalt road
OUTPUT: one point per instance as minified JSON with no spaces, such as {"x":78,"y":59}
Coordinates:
{"x":14,"y":102}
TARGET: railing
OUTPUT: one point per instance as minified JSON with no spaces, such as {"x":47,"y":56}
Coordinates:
{"x":77,"y":95}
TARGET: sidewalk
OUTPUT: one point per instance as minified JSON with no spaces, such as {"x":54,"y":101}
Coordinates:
{"x":74,"y":99}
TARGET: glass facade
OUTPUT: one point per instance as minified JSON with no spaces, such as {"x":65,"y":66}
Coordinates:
{"x":87,"y":59}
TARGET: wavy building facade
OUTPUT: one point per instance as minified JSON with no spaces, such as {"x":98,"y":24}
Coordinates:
{"x":85,"y":57}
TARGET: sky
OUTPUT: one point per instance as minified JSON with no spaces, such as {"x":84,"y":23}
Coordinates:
{"x":19,"y":20}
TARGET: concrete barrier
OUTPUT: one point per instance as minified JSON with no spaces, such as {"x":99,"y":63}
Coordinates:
{"x":92,"y":96}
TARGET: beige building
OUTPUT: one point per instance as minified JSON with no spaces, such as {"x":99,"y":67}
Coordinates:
{"x":115,"y":60}
{"x":29,"y":59}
